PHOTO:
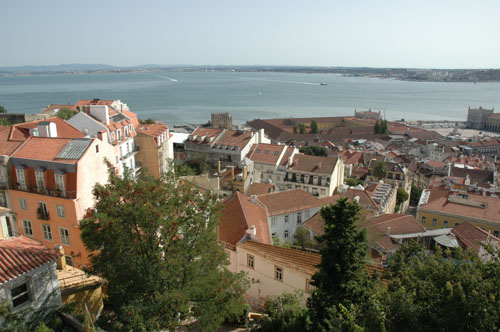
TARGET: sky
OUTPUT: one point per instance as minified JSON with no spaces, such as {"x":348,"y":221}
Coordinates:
{"x":373,"y":33}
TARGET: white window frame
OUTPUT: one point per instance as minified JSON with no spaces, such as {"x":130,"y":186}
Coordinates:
{"x":278,"y":273}
{"x":40,"y":180}
{"x":250,"y":261}
{"x":59,"y":179}
{"x":21,"y":179}
{"x":27,"y":225}
{"x":47,"y":232}
{"x":64,"y":238}
{"x":23,"y":204}
{"x":286,"y":234}
{"x":27,"y":292}
{"x":61,"y":211}
{"x":299,"y":217}
{"x":286,"y":218}
{"x":273,"y":221}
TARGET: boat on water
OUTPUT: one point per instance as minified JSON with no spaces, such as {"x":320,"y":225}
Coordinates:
{"x":323,"y":83}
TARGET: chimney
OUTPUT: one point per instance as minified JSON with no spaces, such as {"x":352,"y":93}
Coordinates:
{"x":244,"y":173}
{"x":232,"y":172}
{"x":252,"y":230}
{"x":218,"y":167}
{"x":388,"y":231}
{"x":61,"y":262}
{"x":101,"y":112}
{"x":253,"y":199}
{"x":261,"y":135}
{"x":290,"y":161}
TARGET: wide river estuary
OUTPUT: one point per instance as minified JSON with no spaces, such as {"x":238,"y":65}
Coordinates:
{"x":190,"y":97}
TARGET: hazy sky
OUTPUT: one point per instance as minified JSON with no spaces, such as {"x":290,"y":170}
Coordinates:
{"x":378,"y":33}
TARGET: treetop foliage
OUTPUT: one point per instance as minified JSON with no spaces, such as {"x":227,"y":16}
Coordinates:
{"x":314,"y":150}
{"x":155,"y":241}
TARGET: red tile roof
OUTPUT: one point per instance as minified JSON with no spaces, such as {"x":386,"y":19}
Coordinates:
{"x":365,"y":199}
{"x":260,"y":189}
{"x":289,"y":201}
{"x":235,"y":138}
{"x":45,"y":149}
{"x":313,"y":164}
{"x":7,"y":147}
{"x":152,"y":129}
{"x":201,"y":131}
{"x":296,"y":259}
{"x":21,"y":255}
{"x":20,"y":132}
{"x":240,"y":214}
{"x":316,"y":224}
{"x":266,"y":153}
{"x":471,"y":236}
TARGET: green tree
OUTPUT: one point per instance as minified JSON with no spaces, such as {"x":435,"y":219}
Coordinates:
{"x":416,"y":192}
{"x":342,"y":277}
{"x":155,"y":242}
{"x":380,"y":171}
{"x":380,"y":127}
{"x":303,"y":239}
{"x":302,"y":128}
{"x":3,"y":109}
{"x":284,"y":313}
{"x":4,"y":122}
{"x":183,"y":170}
{"x":147,"y":121}
{"x":352,"y":182}
{"x":65,"y":113}
{"x":443,"y":291}
{"x":376,"y":127}
{"x":314,"y":127}
{"x":401,"y":196}
{"x":295,"y":128}
{"x":314,"y":150}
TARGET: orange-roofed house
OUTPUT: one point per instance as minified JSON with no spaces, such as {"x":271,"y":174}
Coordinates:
{"x":275,"y":270}
{"x":51,"y":185}
{"x":28,"y":276}
{"x":270,"y":161}
{"x":443,"y":208}
{"x":155,"y":148}
{"x":288,"y":210}
{"x":113,"y":119}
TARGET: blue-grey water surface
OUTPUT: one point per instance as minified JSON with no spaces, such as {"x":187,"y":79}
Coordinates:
{"x":190,"y":97}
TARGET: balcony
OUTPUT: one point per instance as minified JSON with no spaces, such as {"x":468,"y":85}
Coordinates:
{"x":130,"y":153}
{"x":54,"y":193}
{"x":42,"y":215}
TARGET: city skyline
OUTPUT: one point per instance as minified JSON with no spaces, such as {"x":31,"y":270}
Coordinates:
{"x":423,"y":34}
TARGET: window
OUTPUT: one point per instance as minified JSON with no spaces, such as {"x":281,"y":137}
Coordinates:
{"x":273,"y":221}
{"x":322,"y":191}
{"x":257,"y":151}
{"x":307,"y":213}
{"x":60,"y":183}
{"x":64,"y":232}
{"x":60,"y":211}
{"x":126,"y":131}
{"x":250,"y":261}
{"x":309,"y":287}
{"x":278,"y":273}
{"x":28,"y":230}
{"x":495,"y":233}
{"x":458,"y":224}
{"x":286,"y":218}
{"x":42,"y":211}
{"x":299,"y":217}
{"x":97,"y":148}
{"x":445,"y":223}
{"x":434,"y":221}
{"x":275,"y":153}
{"x":40,"y":182}
{"x":423,"y":220}
{"x":22,"y":204}
{"x":273,"y":236}
{"x":285,"y":235}
{"x":20,"y":178}
{"x":266,"y":151}
{"x":47,"y":232}
{"x":20,"y":295}
{"x":119,"y":134}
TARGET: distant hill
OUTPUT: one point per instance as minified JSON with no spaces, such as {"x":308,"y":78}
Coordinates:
{"x":57,"y":68}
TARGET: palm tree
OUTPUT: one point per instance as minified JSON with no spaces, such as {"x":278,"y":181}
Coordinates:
{"x":380,"y":171}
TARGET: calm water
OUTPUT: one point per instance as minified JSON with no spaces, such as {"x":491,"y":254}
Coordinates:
{"x":178,"y":97}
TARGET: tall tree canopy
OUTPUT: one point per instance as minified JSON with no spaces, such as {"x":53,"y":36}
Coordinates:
{"x":65,"y":113}
{"x":314,"y":127}
{"x":3,"y":109}
{"x":342,"y":277}
{"x":155,"y":241}
{"x":314,"y":150}
{"x":380,"y":171}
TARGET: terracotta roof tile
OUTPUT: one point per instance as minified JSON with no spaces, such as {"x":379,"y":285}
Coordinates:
{"x":289,"y":201}
{"x":260,"y":189}
{"x":7,"y":147}
{"x":152,"y":129}
{"x":46,"y":149}
{"x":238,"y":215}
{"x":316,"y":224}
{"x":266,"y":153}
{"x":475,"y":175}
{"x":21,"y":255}
{"x":365,"y":199}
{"x":291,"y":258}
{"x":313,"y":164}
{"x":20,"y":131}
{"x":471,"y":236}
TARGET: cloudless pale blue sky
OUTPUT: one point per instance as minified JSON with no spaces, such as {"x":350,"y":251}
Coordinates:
{"x":377,"y":33}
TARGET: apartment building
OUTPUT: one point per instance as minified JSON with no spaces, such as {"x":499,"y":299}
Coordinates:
{"x":274,"y":270}
{"x":155,"y":148}
{"x":97,"y":117}
{"x":52,"y":179}
{"x":270,"y":161}
{"x":288,"y":210}
{"x":319,"y":176}
{"x":443,"y":208}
